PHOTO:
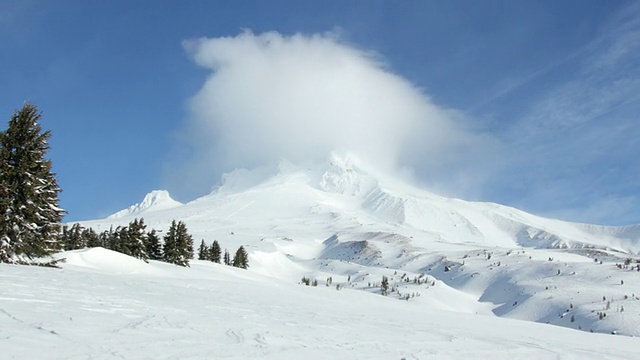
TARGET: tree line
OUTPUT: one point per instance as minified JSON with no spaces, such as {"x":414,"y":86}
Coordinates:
{"x":134,"y":240}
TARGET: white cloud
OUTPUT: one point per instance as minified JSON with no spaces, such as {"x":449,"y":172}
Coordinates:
{"x":298,"y":97}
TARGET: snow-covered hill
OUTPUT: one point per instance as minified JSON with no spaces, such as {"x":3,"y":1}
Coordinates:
{"x":105,"y":305}
{"x":457,"y":269}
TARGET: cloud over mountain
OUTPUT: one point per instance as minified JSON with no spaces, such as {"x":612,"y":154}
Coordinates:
{"x":271,"y":96}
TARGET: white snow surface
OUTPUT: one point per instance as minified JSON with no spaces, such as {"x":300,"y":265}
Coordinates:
{"x":482,"y":280}
{"x":104,"y":305}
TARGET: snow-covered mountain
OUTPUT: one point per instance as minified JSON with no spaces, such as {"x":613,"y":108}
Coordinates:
{"x":345,"y":194}
{"x":346,"y":217}
{"x":450,"y":261}
{"x":153,"y":201}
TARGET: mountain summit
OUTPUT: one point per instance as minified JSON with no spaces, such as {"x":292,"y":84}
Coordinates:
{"x":153,"y":201}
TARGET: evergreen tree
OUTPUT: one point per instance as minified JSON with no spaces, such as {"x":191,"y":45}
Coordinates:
{"x":186,"y":241}
{"x":154,"y":249}
{"x":227,"y":257}
{"x":72,"y":239}
{"x":215,"y":252}
{"x":63,"y":238}
{"x":114,"y":239}
{"x":7,"y":253}
{"x":203,"y":251}
{"x":384,"y":285}
{"x":123,"y":240}
{"x":106,"y":238}
{"x":135,"y":242}
{"x":170,"y":248}
{"x":91,"y":238}
{"x":241,"y":259}
{"x":178,"y":244}
{"x":29,"y":212}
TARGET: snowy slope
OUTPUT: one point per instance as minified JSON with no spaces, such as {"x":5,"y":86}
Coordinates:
{"x":104,"y":305}
{"x":153,"y":201}
{"x":345,"y":219}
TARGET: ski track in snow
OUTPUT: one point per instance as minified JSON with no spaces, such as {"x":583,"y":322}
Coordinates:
{"x":240,"y":209}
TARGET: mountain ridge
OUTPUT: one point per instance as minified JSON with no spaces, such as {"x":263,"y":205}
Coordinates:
{"x":343,"y":184}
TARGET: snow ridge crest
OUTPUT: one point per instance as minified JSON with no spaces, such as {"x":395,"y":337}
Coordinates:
{"x":153,"y":201}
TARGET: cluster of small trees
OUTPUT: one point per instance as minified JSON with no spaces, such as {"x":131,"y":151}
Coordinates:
{"x":29,"y":212}
{"x":306,"y":281}
{"x":134,"y":240}
{"x":214,"y":253}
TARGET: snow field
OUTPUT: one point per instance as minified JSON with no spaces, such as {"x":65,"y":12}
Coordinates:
{"x":91,"y":310}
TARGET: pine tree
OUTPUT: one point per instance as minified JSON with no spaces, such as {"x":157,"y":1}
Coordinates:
{"x":29,"y":212}
{"x":135,"y":242}
{"x":178,"y":244}
{"x":170,"y":248}
{"x":114,"y":240}
{"x":186,"y":241}
{"x":241,"y":259}
{"x":215,"y":252}
{"x":123,"y":240}
{"x":203,"y":251}
{"x":7,"y":253}
{"x":72,"y":239}
{"x":91,"y":238}
{"x":227,"y":257}
{"x":384,"y":285}
{"x":104,"y":239}
{"x":154,"y":248}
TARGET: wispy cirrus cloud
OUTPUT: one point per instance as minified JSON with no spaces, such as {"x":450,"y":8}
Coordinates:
{"x":578,"y":140}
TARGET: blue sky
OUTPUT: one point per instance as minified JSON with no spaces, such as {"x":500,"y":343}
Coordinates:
{"x":547,"y":91}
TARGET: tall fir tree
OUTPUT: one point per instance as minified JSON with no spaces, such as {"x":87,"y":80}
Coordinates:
{"x":72,"y":238}
{"x":227,"y":257}
{"x":186,"y":241}
{"x":215,"y":252}
{"x":241,"y":259}
{"x":7,"y":253}
{"x":91,"y":238}
{"x":384,"y":285}
{"x":203,"y":251}
{"x":178,"y":244}
{"x":29,"y":211}
{"x":154,"y":248}
{"x":113,"y":239}
{"x":136,"y":239}
{"x":170,"y":247}
{"x":123,"y":240}
{"x":105,"y":238}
